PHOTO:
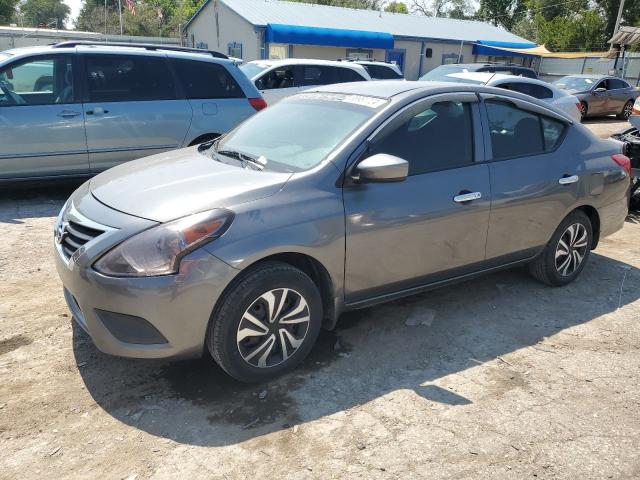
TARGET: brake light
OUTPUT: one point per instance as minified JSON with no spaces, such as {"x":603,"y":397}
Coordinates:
{"x":579,"y":106}
{"x":258,"y":103}
{"x":623,"y":161}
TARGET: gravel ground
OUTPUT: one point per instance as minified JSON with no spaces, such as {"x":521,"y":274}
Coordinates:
{"x":500,"y":377}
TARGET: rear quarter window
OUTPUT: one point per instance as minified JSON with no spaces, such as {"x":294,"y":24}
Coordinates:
{"x":382,"y":72}
{"x":206,"y":80}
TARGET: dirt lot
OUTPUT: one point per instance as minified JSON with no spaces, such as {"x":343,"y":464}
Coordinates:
{"x":509,"y":379}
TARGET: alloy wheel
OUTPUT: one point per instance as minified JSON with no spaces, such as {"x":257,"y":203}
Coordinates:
{"x":626,"y":111}
{"x":571,"y":249}
{"x":273,"y":327}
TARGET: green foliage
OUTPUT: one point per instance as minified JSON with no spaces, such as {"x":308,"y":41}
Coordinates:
{"x":44,"y":12}
{"x":505,"y":13}
{"x":577,"y":31}
{"x":396,"y":7}
{"x":7,"y":11}
{"x":630,"y":14}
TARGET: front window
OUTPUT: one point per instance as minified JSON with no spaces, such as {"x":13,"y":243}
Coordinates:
{"x":576,"y":84}
{"x":298,"y":133}
{"x":41,"y":81}
{"x":253,"y":69}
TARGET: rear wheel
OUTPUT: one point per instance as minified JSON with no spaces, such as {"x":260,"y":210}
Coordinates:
{"x":567,"y":252}
{"x":626,"y":111}
{"x":266,"y":324}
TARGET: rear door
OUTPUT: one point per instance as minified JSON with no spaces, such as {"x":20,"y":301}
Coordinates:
{"x":533,"y":182}
{"x":131,"y":108}
{"x":41,"y":124}
{"x":406,"y":234}
{"x":217,"y":101}
{"x":618,"y":94}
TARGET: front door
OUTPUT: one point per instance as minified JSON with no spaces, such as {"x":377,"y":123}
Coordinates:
{"x":533,"y":183}
{"x":41,"y":124}
{"x":598,"y":100}
{"x":402,"y":235}
{"x":131,"y":109}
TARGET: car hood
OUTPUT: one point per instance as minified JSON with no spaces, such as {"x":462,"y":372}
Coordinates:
{"x":173,"y":184}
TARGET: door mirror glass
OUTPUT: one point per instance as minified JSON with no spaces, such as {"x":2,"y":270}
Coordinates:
{"x":600,"y":90}
{"x":381,"y":168}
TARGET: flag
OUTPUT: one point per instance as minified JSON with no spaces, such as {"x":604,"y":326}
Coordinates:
{"x":131,"y":7}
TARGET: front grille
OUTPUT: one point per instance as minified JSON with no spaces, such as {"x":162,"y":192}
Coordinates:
{"x":75,"y":235}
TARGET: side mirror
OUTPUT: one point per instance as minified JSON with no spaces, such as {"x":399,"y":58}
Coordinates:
{"x":600,"y":90}
{"x":381,"y":168}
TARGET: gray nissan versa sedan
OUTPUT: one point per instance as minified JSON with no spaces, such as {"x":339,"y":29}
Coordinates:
{"x":331,"y":200}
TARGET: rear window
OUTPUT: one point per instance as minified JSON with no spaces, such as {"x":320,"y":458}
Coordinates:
{"x":125,"y":78}
{"x":206,"y":80}
{"x":382,"y":72}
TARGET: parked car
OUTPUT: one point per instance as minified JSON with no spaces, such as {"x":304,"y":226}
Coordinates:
{"x":544,"y":91}
{"x":630,"y":138}
{"x":636,"y":107}
{"x":381,"y":70}
{"x":600,"y":94}
{"x":277,"y":79}
{"x":438,"y":73}
{"x":76,"y":108}
{"x":331,"y":200}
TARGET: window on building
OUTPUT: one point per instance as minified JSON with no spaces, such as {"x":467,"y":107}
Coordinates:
{"x":359,"y":54}
{"x":234,"y":50}
{"x":278,"y":51}
{"x":124,"y":78}
{"x":43,"y":81}
{"x":206,"y":80}
{"x":516,"y":132}
{"x":435,"y":138}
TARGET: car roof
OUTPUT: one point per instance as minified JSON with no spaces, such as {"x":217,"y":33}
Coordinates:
{"x":305,"y":61}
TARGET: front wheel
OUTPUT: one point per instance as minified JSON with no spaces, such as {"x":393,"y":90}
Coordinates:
{"x":626,"y":111}
{"x":266,"y":324}
{"x":567,"y":252}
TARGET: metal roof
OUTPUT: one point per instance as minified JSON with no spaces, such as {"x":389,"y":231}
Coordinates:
{"x":260,"y":13}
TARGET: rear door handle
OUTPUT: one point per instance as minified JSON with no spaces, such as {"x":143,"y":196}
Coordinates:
{"x":568,"y":179}
{"x":68,"y":114}
{"x":467,"y":197}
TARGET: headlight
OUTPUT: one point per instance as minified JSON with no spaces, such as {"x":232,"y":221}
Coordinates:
{"x":158,"y":251}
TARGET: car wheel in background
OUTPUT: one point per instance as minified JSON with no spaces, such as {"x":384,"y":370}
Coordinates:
{"x":626,"y":111}
{"x":567,"y":252}
{"x":266,"y":323}
{"x":584,"y":109}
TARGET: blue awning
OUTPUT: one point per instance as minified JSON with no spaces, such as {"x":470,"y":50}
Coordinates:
{"x":328,"y":37}
{"x":490,"y":47}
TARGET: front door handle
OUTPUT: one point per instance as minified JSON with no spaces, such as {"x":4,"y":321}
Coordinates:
{"x":568,"y":179}
{"x":467,"y":197}
{"x":68,"y":114}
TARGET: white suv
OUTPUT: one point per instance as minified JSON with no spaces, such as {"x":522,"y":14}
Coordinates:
{"x":381,"y":70}
{"x":277,"y":79}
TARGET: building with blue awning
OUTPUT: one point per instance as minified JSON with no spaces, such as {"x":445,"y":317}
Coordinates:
{"x":263,"y":29}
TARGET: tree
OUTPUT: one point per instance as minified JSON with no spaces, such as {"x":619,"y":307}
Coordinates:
{"x":630,"y":13}
{"x":578,"y":31}
{"x":7,"y":11}
{"x":502,"y":12}
{"x":396,"y":7}
{"x":45,"y":12}
{"x":461,"y":9}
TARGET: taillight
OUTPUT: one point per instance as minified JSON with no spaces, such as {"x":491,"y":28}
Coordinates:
{"x":623,"y":161}
{"x":579,"y":106}
{"x":258,"y":103}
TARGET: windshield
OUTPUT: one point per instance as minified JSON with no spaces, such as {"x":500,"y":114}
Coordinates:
{"x":253,"y":69}
{"x":439,"y":73}
{"x":577,"y":84}
{"x":298,"y":133}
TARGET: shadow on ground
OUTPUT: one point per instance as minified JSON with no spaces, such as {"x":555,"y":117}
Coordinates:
{"x":371,"y":353}
{"x":33,"y":200}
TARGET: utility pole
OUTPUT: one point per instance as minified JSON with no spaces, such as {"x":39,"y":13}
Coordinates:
{"x":120,"y":13}
{"x":615,"y":30}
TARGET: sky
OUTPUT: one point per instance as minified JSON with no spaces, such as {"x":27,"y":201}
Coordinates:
{"x":75,"y":6}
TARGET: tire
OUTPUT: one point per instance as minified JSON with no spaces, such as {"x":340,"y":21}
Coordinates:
{"x":239,"y":345}
{"x":552,"y":269}
{"x":626,"y":111}
{"x":584,"y":110}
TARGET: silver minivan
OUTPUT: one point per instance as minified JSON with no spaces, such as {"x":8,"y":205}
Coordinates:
{"x":331,"y":200}
{"x":75,"y":109}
